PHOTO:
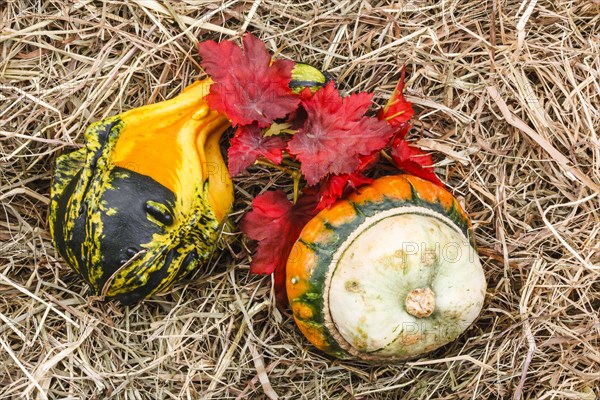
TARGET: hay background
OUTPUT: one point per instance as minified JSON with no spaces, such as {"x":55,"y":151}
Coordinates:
{"x":66,"y":64}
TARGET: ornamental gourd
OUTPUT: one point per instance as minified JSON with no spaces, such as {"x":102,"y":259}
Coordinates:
{"x":140,"y":205}
{"x":387,"y":274}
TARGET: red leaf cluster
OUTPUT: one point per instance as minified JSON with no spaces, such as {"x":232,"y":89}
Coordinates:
{"x":335,"y":142}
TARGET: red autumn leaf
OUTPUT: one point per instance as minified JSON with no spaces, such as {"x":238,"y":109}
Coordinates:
{"x":248,"y":87}
{"x":249,"y":144}
{"x":338,"y":186}
{"x":276,"y":224}
{"x":335,"y":187}
{"x":336,"y":133}
{"x":414,"y":161}
{"x":397,"y":111}
{"x":297,"y":118}
{"x":401,"y":131}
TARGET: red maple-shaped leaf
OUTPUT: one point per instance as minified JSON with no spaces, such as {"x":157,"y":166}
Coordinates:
{"x":397,"y":111}
{"x":401,"y":130}
{"x":249,"y":144}
{"x":247,"y":86}
{"x":336,"y":133}
{"x":276,"y":224}
{"x":414,"y":161}
{"x":337,"y":186}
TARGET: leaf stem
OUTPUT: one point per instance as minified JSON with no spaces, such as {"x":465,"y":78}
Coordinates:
{"x":295,"y":174}
{"x":290,"y":163}
{"x":385,"y":155}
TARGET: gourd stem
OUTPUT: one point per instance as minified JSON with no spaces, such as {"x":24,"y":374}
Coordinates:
{"x":420,"y":302}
